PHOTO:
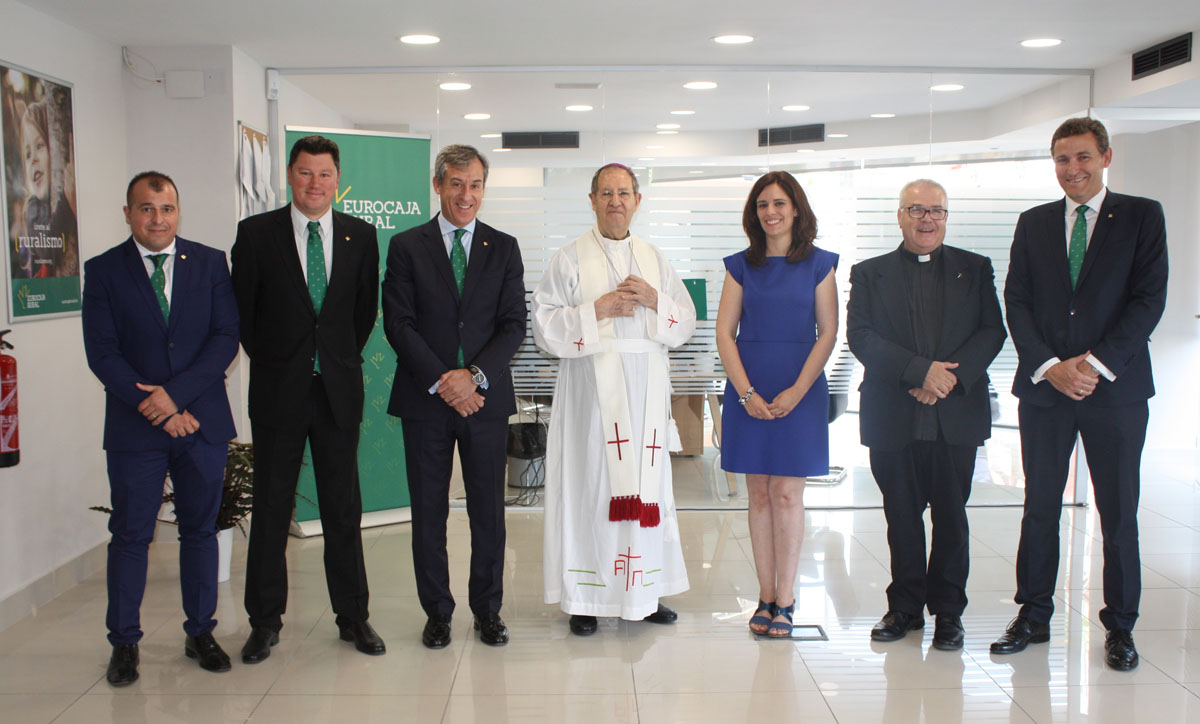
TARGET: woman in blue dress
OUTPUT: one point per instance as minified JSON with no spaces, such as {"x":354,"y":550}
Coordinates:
{"x":776,"y":327}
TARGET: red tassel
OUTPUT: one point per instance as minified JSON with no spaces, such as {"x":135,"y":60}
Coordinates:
{"x":625,"y":507}
{"x":650,"y":515}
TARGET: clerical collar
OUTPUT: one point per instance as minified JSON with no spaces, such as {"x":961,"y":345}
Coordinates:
{"x":920,"y":258}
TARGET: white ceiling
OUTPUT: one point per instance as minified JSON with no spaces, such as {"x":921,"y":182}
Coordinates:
{"x":538,"y":44}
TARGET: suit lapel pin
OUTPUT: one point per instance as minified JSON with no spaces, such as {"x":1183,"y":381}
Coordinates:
{"x":1110,"y":214}
{"x":959,"y":276}
{"x":485,"y":243}
{"x":183,"y":256}
{"x":347,"y":238}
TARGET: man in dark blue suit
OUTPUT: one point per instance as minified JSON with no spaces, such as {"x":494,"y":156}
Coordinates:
{"x":1087,"y":284}
{"x":454,"y":311}
{"x":160,"y":326}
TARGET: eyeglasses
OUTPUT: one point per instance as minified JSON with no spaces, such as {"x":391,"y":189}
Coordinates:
{"x":918,"y":212}
{"x":623,"y":195}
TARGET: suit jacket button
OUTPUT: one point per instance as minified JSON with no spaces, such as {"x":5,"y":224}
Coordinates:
{"x":1072,"y":312}
{"x":170,"y":345}
{"x":460,"y":325}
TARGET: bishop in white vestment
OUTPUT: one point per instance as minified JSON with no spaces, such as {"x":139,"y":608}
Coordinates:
{"x":609,"y":307}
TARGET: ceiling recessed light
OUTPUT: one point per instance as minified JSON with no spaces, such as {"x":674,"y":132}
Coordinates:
{"x":733,"y":39}
{"x":646,"y":158}
{"x":683,"y":113}
{"x":805,"y":150}
{"x":946,"y":87}
{"x":420,"y":39}
{"x":696,"y":171}
{"x":454,"y":86}
{"x":764,"y":168}
{"x":1041,"y":42}
{"x":795,"y":108}
{"x":667,"y":126}
{"x":883,"y":115}
{"x":666,"y":133}
{"x":654,"y":148}
{"x":579,"y":108}
{"x":837,"y":135}
{"x":700,"y":85}
{"x":489,"y":135}
{"x":477,"y":116}
{"x":501,"y":150}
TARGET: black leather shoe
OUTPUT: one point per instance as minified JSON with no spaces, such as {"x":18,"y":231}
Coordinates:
{"x":583,"y":625}
{"x":258,"y":644}
{"x":1119,"y":652}
{"x":491,"y":628}
{"x":895,"y":625}
{"x":209,"y":653}
{"x":122,"y":666}
{"x":947,"y":632}
{"x":437,"y":631}
{"x":364,"y":637}
{"x":662,"y":615}
{"x":1020,"y":633}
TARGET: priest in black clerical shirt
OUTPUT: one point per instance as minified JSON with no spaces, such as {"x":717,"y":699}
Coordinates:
{"x":925,"y":323}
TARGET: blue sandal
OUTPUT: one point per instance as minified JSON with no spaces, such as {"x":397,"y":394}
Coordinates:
{"x":782,"y":629}
{"x":762,"y":622}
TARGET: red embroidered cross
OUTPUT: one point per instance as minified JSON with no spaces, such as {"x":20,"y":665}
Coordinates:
{"x":624,"y":566}
{"x":672,"y":321}
{"x":618,"y":441}
{"x":652,"y":447}
{"x":579,"y":344}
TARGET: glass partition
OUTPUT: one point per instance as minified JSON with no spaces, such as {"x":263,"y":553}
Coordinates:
{"x":698,"y":150}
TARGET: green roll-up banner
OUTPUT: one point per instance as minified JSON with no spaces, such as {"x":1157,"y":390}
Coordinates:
{"x":385,"y":180}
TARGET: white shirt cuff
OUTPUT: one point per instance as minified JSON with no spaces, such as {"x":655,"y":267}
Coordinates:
{"x":1039,"y":373}
{"x":1106,"y":372}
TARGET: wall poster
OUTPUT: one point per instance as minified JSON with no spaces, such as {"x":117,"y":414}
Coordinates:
{"x":41,"y":229}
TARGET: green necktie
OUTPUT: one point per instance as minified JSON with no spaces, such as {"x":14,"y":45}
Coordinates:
{"x":158,"y":280}
{"x":458,"y":261}
{"x":1078,"y":246}
{"x":317,"y":283}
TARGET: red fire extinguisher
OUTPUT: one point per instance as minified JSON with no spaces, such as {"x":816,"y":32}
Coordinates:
{"x":10,"y":447}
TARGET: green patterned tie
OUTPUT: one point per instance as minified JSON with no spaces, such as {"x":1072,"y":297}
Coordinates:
{"x":1078,"y":245}
{"x":317,"y":282}
{"x":458,"y":261}
{"x":158,"y":280}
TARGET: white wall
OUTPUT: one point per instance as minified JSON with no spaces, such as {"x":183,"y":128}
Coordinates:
{"x":44,"y":521}
{"x":1165,"y":165}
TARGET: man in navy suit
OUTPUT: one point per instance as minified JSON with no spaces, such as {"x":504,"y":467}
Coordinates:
{"x":307,"y":284}
{"x":1087,"y":283}
{"x":454,"y":311}
{"x":160,"y":326}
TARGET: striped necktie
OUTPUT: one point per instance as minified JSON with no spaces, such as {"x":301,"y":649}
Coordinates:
{"x":1078,"y":246}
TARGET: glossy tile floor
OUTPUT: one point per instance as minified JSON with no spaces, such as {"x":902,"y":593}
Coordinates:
{"x":705,"y":668}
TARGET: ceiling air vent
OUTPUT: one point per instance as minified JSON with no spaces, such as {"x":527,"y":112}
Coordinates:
{"x":1162,"y":56}
{"x":540,"y":139}
{"x":812,"y":133}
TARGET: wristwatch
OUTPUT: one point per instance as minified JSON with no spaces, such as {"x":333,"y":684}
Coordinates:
{"x":477,"y":376}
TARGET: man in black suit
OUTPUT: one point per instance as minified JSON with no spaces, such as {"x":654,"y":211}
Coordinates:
{"x":454,"y":311}
{"x":925,"y":323}
{"x":306,"y":279}
{"x":160,"y":326}
{"x":1087,"y":284}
